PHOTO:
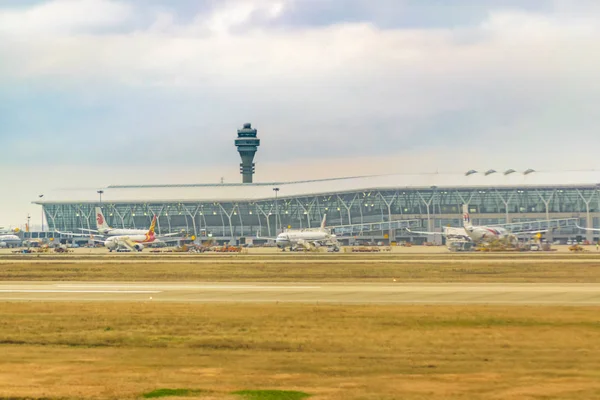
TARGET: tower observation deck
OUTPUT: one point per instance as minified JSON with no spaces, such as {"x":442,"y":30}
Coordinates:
{"x":247,"y":144}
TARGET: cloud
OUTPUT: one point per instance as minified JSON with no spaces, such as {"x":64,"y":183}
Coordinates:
{"x":63,"y":17}
{"x":165,"y":85}
{"x":235,"y":14}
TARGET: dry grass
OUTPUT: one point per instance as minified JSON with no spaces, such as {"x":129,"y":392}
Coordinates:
{"x":525,"y":269}
{"x":120,"y":351}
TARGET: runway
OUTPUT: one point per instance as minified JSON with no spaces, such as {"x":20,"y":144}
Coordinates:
{"x":311,"y":293}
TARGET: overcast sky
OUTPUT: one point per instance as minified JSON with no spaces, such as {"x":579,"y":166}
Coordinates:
{"x":98,"y":92}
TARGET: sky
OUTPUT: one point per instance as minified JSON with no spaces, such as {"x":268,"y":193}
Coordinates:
{"x":100,"y":92}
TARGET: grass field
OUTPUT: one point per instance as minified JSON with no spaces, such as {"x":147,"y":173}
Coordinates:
{"x":526,"y":269}
{"x":126,"y":350}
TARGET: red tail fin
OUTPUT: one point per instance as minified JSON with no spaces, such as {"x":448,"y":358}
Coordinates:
{"x":152,"y":226}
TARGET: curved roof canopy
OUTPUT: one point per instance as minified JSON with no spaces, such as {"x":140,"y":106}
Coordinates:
{"x":259,"y":191}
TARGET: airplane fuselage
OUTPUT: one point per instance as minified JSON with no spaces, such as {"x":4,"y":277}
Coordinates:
{"x":483,"y":233}
{"x":134,"y":238}
{"x":292,"y":238}
{"x":10,"y":241}
{"x":113,"y":241}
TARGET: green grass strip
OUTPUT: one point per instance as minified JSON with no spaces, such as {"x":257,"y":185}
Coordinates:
{"x":271,"y":395}
{"x":173,"y":393}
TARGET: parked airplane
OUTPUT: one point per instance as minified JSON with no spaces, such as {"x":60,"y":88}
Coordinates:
{"x":133,"y":241}
{"x":105,"y":230}
{"x":10,"y":241}
{"x":307,"y":238}
{"x":482,"y":233}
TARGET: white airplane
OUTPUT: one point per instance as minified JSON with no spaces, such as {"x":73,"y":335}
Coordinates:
{"x":481,"y":233}
{"x":105,"y":230}
{"x":307,"y":238}
{"x":132,"y":241}
{"x":10,"y":241}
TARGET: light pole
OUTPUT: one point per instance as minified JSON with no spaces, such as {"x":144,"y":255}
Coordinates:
{"x":276,"y":190}
{"x":28,"y":223}
{"x":40,"y":197}
{"x":100,"y":193}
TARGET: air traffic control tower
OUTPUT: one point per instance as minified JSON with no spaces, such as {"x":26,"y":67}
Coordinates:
{"x":247,"y":144}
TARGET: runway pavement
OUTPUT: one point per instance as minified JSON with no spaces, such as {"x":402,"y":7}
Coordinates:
{"x":368,"y":293}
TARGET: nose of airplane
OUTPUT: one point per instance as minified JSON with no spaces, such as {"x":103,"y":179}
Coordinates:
{"x":282,"y":238}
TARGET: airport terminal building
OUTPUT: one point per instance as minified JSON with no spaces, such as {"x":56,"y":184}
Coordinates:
{"x":376,"y":207}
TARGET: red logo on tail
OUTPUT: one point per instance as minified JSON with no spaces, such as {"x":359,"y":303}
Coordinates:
{"x":99,"y":219}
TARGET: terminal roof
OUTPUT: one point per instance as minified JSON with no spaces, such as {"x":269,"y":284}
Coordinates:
{"x":258,"y":191}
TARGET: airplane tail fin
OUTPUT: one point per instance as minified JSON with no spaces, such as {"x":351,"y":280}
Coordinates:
{"x":100,"y":220}
{"x":152,"y":226}
{"x":323,"y":221}
{"x":466,"y":217}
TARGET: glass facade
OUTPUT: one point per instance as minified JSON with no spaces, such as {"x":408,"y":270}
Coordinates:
{"x":435,"y":208}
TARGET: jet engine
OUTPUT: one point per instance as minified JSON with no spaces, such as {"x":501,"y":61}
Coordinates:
{"x":3,"y":245}
{"x":138,"y":246}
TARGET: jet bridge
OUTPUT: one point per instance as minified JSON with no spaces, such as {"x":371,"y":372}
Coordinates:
{"x":540,"y":225}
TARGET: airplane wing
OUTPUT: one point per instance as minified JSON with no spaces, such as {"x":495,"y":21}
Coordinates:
{"x":69,"y":233}
{"x":93,"y":239}
{"x":171,"y":234}
{"x":448,"y":233}
{"x":88,"y":230}
{"x":76,"y":234}
{"x":588,"y":229}
{"x":166,"y":239}
{"x":427,"y":233}
{"x":530,"y":232}
{"x":516,"y":226}
{"x":258,"y":236}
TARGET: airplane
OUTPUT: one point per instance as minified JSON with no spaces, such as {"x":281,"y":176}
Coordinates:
{"x":104,"y":230}
{"x":10,"y":241}
{"x":132,"y":241}
{"x":482,"y":233}
{"x":307,"y":238}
